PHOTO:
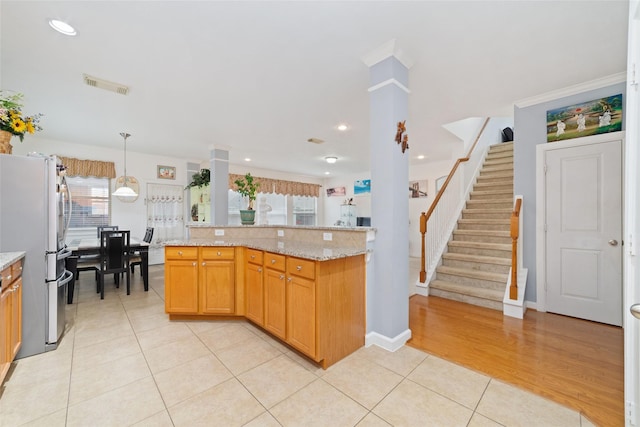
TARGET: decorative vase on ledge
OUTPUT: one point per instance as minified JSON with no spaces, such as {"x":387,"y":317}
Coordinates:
{"x":5,"y":142}
{"x":247,"y":217}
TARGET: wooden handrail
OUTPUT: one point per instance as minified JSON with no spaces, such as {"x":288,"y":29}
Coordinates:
{"x":424,"y":217}
{"x":515,"y":232}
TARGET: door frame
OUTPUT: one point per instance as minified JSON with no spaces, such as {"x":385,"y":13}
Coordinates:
{"x":541,"y":237}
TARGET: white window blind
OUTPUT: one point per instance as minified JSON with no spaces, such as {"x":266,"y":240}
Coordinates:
{"x":90,"y":201}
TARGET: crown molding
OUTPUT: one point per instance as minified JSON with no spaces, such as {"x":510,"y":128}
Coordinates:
{"x":573,"y":90}
{"x":385,"y":51}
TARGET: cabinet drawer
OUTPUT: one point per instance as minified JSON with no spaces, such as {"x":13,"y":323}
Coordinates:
{"x":254,"y":256}
{"x":301,"y":267}
{"x":181,"y":252}
{"x":16,"y":270}
{"x":275,"y":261}
{"x":6,"y":277}
{"x":227,"y":252}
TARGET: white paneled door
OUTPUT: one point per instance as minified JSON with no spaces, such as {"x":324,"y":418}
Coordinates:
{"x":583,"y":221}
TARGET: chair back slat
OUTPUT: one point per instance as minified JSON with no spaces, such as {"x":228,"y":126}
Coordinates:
{"x":115,"y":249}
{"x":102,"y":228}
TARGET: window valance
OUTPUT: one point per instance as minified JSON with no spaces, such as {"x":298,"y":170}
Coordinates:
{"x":279,"y":186}
{"x":78,"y":167}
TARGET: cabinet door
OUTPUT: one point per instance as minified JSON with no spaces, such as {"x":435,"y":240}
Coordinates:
{"x":5,"y":328}
{"x":275,"y":320}
{"x":301,"y":314}
{"x":181,"y":287}
{"x":15,"y":340}
{"x":217,"y":287}
{"x":254,"y":293}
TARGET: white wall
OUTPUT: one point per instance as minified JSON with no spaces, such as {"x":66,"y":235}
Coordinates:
{"x":332,"y":204}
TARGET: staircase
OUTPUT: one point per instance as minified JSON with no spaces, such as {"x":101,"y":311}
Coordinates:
{"x":475,"y":267}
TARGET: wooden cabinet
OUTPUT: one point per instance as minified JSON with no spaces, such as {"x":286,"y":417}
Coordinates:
{"x":254,"y":286}
{"x":200,"y":280}
{"x":275,"y":317}
{"x":316,"y":307}
{"x":181,"y":280}
{"x":10,"y":316}
{"x":217,"y":280}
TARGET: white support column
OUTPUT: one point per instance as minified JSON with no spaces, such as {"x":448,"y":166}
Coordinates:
{"x":388,"y":272}
{"x":219,"y":186}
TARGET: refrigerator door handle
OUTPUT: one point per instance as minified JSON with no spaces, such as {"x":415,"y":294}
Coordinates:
{"x":67,"y":278}
{"x":66,"y":227}
{"x":64,"y":253}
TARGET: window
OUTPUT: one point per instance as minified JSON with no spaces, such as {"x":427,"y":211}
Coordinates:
{"x":275,"y":209}
{"x":90,"y":201}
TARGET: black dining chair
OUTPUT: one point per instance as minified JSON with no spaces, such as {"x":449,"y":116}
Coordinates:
{"x":90,"y":262}
{"x":115,"y":249}
{"x":136,"y":259}
{"x":102,"y":228}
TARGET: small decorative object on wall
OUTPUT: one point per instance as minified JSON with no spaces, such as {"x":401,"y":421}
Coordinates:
{"x":336,"y":192}
{"x":418,"y":189}
{"x":589,"y":118}
{"x":362,"y":186}
{"x":404,"y":140}
{"x":166,"y":172}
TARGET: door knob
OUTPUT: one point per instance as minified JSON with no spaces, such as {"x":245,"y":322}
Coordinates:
{"x":613,"y":242}
{"x":635,"y":310}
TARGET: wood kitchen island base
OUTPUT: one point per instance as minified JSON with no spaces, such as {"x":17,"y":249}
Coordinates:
{"x":315,"y":307}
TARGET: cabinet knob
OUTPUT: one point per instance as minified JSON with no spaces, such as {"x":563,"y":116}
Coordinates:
{"x":299,"y":267}
{"x":289,"y":279}
{"x":273,"y":261}
{"x":219,"y":253}
{"x":259,"y":270}
{"x":9,"y":277}
{"x":180,"y":253}
{"x":252,"y":256}
{"x":195,"y":264}
{"x":204,"y":263}
{"x":281,"y":276}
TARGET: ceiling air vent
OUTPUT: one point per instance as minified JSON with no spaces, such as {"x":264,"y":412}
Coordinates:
{"x":315,"y":140}
{"x":105,"y":84}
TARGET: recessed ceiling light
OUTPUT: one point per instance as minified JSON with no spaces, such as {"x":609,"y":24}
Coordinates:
{"x":421,"y":156}
{"x":246,"y":159}
{"x":331,"y":159}
{"x":343,"y":127}
{"x":327,"y":173}
{"x":62,"y":27}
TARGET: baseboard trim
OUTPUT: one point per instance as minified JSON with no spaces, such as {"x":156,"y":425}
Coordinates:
{"x":389,"y":344}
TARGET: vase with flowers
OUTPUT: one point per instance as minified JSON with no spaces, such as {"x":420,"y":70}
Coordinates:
{"x":13,"y":122}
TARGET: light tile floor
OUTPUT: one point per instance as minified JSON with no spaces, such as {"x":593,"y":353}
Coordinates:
{"x":121,"y":362}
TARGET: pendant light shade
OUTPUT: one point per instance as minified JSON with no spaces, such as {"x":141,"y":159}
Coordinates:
{"x":125,"y":193}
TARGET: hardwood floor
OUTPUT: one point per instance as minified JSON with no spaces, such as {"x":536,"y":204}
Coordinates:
{"x":575,"y":362}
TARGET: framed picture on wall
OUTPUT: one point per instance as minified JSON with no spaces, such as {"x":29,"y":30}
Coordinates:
{"x":418,"y":189}
{"x":362,"y":186}
{"x":588,"y":118}
{"x":166,"y":172}
{"x":336,"y":192}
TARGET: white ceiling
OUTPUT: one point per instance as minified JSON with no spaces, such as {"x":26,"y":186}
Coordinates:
{"x":260,"y":78}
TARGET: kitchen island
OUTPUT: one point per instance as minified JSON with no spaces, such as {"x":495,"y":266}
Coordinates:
{"x":294,"y":283}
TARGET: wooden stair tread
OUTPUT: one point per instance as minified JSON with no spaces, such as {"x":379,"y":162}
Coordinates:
{"x":484,"y":221}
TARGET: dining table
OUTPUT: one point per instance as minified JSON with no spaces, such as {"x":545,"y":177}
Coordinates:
{"x":91,"y":246}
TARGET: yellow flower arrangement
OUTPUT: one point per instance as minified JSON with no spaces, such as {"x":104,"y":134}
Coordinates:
{"x":11,"y":118}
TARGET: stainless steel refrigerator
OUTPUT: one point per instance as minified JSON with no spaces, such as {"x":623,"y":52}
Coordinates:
{"x":34,"y":212}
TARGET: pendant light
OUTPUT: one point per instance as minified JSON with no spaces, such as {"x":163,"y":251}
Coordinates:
{"x":125,"y":191}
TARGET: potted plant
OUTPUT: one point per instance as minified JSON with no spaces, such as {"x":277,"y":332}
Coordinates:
{"x":200,"y":179}
{"x":247,"y":187}
{"x":13,"y":122}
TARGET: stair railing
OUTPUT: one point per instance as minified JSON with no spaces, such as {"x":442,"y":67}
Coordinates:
{"x":516,"y":247}
{"x":443,"y":213}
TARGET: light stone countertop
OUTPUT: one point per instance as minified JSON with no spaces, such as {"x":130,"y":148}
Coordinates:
{"x":8,"y":258}
{"x":307,"y":250}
